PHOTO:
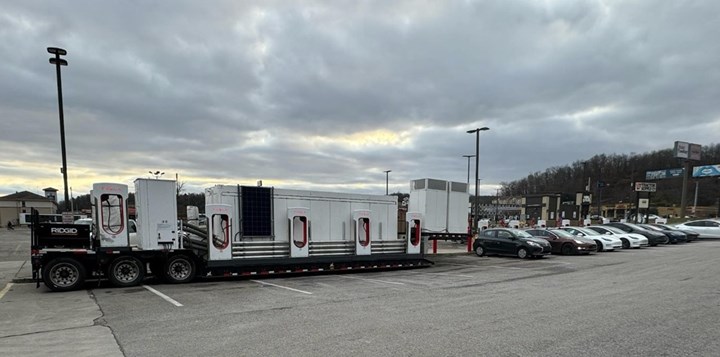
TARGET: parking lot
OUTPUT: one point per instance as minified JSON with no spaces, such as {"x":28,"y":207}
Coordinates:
{"x":653,"y":301}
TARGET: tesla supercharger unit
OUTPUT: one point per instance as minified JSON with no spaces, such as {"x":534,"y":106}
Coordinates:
{"x":299,"y":239}
{"x":361,"y":223}
{"x":110,"y":214}
{"x":414,"y":232}
{"x":219,"y":226}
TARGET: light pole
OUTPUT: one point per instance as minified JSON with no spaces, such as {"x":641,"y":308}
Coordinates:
{"x":57,"y":61}
{"x":157,"y":174}
{"x":387,"y":172}
{"x":468,"y":174}
{"x":477,"y":154}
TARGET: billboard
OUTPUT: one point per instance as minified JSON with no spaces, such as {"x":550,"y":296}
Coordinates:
{"x":684,"y":150}
{"x":706,"y":171}
{"x":663,"y":174}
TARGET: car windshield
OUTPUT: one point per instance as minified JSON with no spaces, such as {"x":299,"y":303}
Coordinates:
{"x":587,"y":231}
{"x":521,"y":234}
{"x":563,"y":233}
{"x":635,"y":226}
{"x":614,"y":229}
{"x":651,"y":227}
{"x":600,"y":230}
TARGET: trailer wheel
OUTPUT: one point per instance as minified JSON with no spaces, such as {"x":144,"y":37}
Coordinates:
{"x":126,"y":271}
{"x":63,"y":274}
{"x":179,"y":269}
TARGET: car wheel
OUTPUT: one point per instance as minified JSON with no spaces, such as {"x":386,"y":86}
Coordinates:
{"x":599,"y":246}
{"x":522,"y":253}
{"x":625,"y":243}
{"x":567,"y":249}
{"x":480,"y":251}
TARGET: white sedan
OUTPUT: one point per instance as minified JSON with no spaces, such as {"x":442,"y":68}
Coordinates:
{"x":629,"y":240}
{"x":706,"y":228}
{"x":604,"y":242}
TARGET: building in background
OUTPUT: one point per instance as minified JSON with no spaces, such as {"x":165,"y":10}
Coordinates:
{"x":14,"y":205}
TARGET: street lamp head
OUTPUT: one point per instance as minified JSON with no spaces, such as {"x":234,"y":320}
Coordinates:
{"x":478,"y":129}
{"x":468,"y":156}
{"x":57,"y":51}
{"x":59,"y":61}
{"x":386,"y":171}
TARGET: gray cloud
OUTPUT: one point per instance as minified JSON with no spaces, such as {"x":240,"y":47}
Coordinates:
{"x":327,"y":95}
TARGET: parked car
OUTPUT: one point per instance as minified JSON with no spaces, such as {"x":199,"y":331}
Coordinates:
{"x":674,"y":237}
{"x":706,"y":228}
{"x":628,"y":240}
{"x":564,"y":242}
{"x":586,"y":233}
{"x":654,"y":238}
{"x":691,"y":236}
{"x":510,"y":241}
{"x":606,"y":240}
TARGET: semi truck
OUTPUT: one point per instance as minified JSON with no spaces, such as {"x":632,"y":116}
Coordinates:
{"x":251,"y":230}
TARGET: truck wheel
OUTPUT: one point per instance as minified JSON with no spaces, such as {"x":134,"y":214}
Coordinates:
{"x":179,"y":269}
{"x":63,"y":274}
{"x":126,"y":271}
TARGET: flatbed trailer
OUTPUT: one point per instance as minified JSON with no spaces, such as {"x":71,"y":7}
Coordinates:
{"x":251,"y":231}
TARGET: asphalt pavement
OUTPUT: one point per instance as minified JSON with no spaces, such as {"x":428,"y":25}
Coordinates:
{"x":660,"y":301}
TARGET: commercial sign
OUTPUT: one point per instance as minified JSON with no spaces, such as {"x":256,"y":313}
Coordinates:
{"x":706,"y":171}
{"x":645,"y":186}
{"x":683,"y":150}
{"x":67,"y":218}
{"x":663,"y":174}
{"x":644,"y":203}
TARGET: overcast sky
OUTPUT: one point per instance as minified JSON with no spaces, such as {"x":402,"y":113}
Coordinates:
{"x":327,"y":95}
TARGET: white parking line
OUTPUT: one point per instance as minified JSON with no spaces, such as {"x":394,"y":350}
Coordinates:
{"x":282,"y":287}
{"x":448,"y":274}
{"x":504,"y":267}
{"x":5,"y":290}
{"x":165,"y":297}
{"x":17,"y":249}
{"x":463,"y":265}
{"x":372,"y":280}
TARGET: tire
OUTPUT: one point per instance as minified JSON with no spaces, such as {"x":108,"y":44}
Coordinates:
{"x":567,"y":249}
{"x":599,"y":246}
{"x":625,"y":243}
{"x":63,"y":274}
{"x":126,"y":271}
{"x":179,"y":269}
{"x":522,"y":253}
{"x":480,"y":250}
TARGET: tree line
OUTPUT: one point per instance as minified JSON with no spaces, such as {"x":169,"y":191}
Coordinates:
{"x":617,"y":173}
